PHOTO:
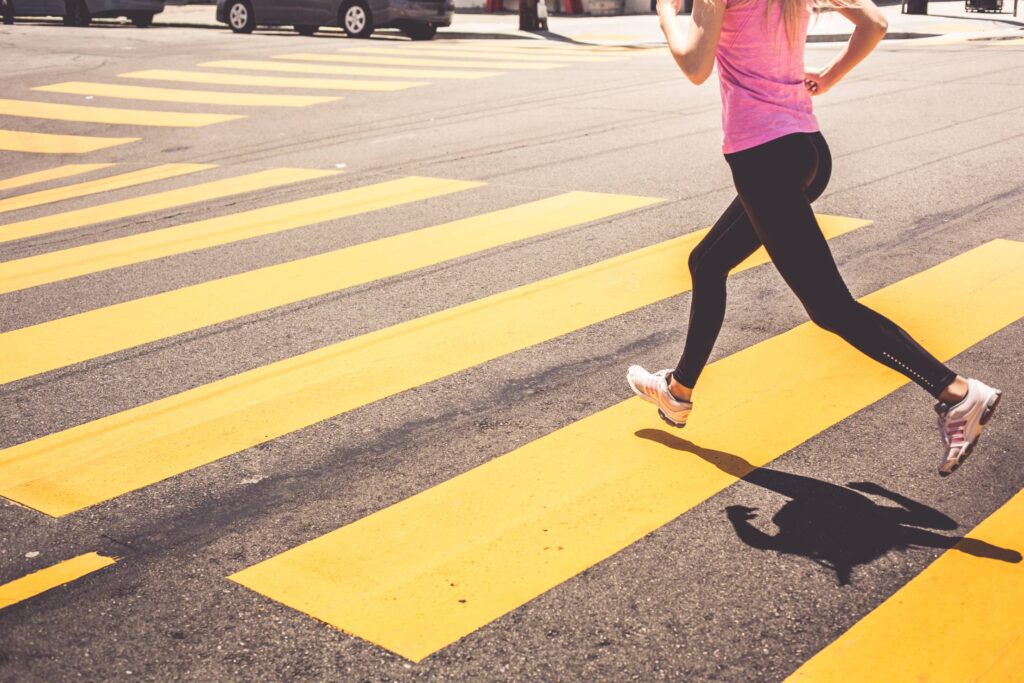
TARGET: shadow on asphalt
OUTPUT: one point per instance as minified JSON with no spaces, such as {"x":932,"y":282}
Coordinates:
{"x":835,"y":526}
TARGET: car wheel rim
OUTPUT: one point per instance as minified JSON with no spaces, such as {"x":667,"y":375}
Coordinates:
{"x":355,"y":19}
{"x":239,"y":15}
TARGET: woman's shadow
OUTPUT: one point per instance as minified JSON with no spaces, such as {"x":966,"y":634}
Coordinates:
{"x":836,"y":526}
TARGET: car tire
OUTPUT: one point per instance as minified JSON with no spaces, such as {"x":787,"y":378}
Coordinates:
{"x":141,"y":19}
{"x":355,"y":19}
{"x":240,"y":16}
{"x":306,"y":30}
{"x":418,"y":31}
{"x":76,"y":13}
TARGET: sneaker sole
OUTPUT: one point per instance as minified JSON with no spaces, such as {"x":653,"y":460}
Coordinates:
{"x":669,"y":422}
{"x":986,"y":416}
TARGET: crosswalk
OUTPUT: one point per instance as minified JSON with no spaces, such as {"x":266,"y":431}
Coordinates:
{"x":417,"y":576}
{"x":53,"y":474}
{"x":418,"y":60}
{"x":136,"y":206}
{"x":141,"y":92}
{"x":325,"y":76}
{"x":218,"y":78}
{"x":295,"y":67}
{"x":63,"y":264}
{"x":423,"y":573}
{"x":46,"y":175}
{"x":88,"y":114}
{"x":107,"y":184}
{"x":32,"y":142}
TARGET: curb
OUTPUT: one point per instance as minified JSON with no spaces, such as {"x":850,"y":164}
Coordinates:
{"x":843,"y":37}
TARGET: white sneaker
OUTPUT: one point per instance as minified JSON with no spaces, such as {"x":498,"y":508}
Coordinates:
{"x":653,"y":388}
{"x":960,"y":424}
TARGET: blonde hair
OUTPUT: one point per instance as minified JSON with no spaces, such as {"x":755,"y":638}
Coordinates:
{"x":792,"y":9}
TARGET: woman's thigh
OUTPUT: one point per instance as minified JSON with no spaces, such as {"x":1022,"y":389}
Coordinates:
{"x":772,"y":188}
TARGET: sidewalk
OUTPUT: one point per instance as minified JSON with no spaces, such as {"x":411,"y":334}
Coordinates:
{"x":946,"y":18}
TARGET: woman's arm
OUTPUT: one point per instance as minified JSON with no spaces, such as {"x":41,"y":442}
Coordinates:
{"x":869,"y":28}
{"x":695,"y":51}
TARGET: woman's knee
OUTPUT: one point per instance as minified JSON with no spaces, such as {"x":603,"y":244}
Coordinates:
{"x":826,"y":320}
{"x":834,"y":315}
{"x":702,"y":267}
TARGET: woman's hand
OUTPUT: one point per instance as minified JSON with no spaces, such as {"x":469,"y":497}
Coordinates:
{"x":669,"y":7}
{"x":817,"y":81}
{"x":869,"y":28}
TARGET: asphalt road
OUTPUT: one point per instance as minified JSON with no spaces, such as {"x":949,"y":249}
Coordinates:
{"x":927,"y":145}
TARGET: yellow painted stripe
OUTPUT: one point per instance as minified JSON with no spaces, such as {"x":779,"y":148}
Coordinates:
{"x":958,"y":620}
{"x":70,"y":470}
{"x":270,"y":81}
{"x":58,"y":343}
{"x":410,"y":60}
{"x":50,"y":143}
{"x":139,"y":92}
{"x":134,"y":117}
{"x":425,"y":572}
{"x":49,"y":174}
{"x":124,"y":208}
{"x":108,"y":184}
{"x":59,"y":574}
{"x":618,"y":37}
{"x":92,"y":258}
{"x":535,"y":46}
{"x":564,"y":56}
{"x":337,"y":69}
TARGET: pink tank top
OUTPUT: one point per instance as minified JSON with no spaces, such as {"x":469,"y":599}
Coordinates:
{"x":761,"y":75}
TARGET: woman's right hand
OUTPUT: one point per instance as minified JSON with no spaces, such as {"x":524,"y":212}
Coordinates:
{"x":669,"y":7}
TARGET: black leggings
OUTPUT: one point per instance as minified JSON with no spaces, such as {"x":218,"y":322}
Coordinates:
{"x":776,"y":183}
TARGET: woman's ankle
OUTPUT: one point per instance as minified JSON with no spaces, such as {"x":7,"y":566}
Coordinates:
{"x":955,"y":392}
{"x":678,"y":391}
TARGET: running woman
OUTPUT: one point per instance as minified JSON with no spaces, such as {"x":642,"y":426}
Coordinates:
{"x":780,"y":163}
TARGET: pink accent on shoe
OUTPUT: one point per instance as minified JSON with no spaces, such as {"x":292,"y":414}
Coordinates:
{"x":960,"y":424}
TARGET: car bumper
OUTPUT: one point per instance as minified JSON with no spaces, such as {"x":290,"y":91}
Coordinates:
{"x":222,"y":10}
{"x":115,"y":7}
{"x":97,"y":8}
{"x":436,"y":13}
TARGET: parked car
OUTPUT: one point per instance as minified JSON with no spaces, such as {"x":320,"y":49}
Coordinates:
{"x":81,"y":12}
{"x":418,"y":19}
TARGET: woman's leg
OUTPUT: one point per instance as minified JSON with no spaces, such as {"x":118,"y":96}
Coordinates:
{"x":768,"y":180}
{"x":729,"y":242}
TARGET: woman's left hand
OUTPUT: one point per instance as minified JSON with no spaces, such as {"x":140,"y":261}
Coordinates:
{"x":817,"y":81}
